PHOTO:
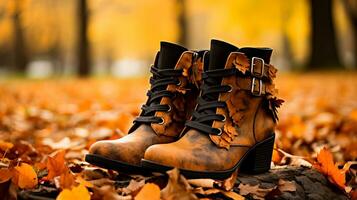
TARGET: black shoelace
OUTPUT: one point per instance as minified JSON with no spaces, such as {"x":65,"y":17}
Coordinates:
{"x":159,"y":81}
{"x":205,"y":112}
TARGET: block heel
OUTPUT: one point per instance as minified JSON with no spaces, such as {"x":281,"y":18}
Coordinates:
{"x":258,"y":159}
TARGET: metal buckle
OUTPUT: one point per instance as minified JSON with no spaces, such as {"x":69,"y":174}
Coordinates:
{"x":254,"y":73}
{"x":253,"y":91}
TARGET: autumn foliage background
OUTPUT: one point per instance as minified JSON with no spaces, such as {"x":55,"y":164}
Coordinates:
{"x":49,"y":117}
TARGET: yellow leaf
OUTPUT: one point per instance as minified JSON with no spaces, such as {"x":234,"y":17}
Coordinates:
{"x":79,"y":193}
{"x":25,"y":176}
{"x":149,"y":191}
{"x":81,"y":181}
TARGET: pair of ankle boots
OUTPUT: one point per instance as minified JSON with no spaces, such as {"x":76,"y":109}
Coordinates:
{"x":208,"y":113}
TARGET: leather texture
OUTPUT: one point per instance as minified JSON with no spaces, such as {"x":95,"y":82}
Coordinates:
{"x":130,"y":148}
{"x":249,"y":119}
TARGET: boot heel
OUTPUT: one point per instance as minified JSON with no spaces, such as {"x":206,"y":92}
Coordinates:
{"x":258,"y":159}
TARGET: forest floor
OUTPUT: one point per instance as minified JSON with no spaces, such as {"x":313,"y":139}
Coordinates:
{"x":47,"y":126}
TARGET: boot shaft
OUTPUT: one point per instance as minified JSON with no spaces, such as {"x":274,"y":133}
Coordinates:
{"x":238,"y":103}
{"x":174,"y":89}
{"x":250,"y":115}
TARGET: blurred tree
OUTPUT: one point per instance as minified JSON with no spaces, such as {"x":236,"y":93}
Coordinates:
{"x":83,"y":44}
{"x":182,"y":21}
{"x":351,"y":10}
{"x":20,"y":55}
{"x":323,"y":37}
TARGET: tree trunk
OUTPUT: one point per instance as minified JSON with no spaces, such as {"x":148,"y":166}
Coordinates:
{"x":83,"y":44}
{"x":20,"y":56}
{"x":324,"y":53}
{"x":351,"y":10}
{"x":182,"y":22}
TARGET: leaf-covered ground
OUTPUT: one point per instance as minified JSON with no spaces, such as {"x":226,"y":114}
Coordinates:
{"x":46,"y":128}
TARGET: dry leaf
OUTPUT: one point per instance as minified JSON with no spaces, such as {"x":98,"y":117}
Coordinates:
{"x":25,"y":176}
{"x":79,"y":193}
{"x":5,"y":175}
{"x":255,"y":191}
{"x":149,"y":191}
{"x":229,"y":182}
{"x":133,"y":187}
{"x":5,"y":145}
{"x":107,"y":192}
{"x":67,"y":179}
{"x":56,"y":165}
{"x":177,"y":187}
{"x":326,"y":166}
{"x":206,"y":182}
{"x":286,"y":186}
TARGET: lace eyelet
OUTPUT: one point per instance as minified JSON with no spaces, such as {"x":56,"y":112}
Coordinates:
{"x":230,"y":88}
{"x":224,"y":118}
{"x":179,"y":83}
{"x":162,"y":121}
{"x":220,"y":132}
{"x":170,"y":108}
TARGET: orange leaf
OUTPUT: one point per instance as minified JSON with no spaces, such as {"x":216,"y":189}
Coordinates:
{"x":67,"y":179}
{"x":79,"y":192}
{"x":149,"y":191}
{"x":25,"y":176}
{"x":327,"y":167}
{"x":5,"y":175}
{"x":56,"y":165}
{"x":5,"y":145}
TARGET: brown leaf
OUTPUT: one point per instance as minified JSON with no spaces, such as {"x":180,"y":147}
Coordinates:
{"x":134,"y":187}
{"x":228,"y":183}
{"x":241,"y":63}
{"x":255,"y":191}
{"x":107,"y":192}
{"x":177,"y":187}
{"x":286,"y":186}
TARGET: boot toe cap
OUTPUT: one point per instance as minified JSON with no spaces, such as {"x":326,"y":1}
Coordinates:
{"x":116,"y":151}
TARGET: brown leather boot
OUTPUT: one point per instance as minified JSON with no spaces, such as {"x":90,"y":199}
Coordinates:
{"x":171,"y":100}
{"x":233,"y":124}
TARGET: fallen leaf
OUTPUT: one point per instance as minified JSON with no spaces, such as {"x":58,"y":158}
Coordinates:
{"x":133,"y":187}
{"x":5,"y":145}
{"x":56,"y":165}
{"x":5,"y":175}
{"x":327,"y":167}
{"x":81,"y":181}
{"x":177,"y":187}
{"x":232,"y":195}
{"x":25,"y":176}
{"x":228,"y":184}
{"x":286,"y":186}
{"x":107,"y":192}
{"x":255,"y":191}
{"x":149,"y":191}
{"x":79,"y":193}
{"x":206,"y":182}
{"x":67,"y":179}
